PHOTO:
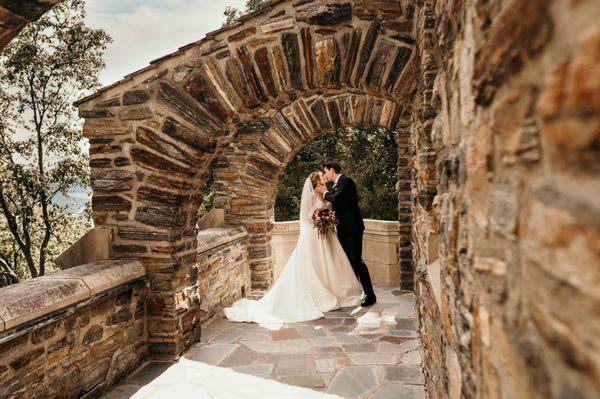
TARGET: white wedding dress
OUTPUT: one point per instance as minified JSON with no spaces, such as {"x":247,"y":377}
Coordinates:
{"x":317,"y":278}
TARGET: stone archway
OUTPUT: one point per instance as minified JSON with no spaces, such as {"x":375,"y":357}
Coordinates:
{"x":510,"y":301}
{"x":244,"y":99}
{"x":247,"y":172}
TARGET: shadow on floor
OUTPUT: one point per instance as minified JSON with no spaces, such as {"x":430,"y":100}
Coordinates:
{"x":351,"y":353}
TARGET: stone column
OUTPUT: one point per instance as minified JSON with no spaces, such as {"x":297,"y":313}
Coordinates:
{"x":148,"y":164}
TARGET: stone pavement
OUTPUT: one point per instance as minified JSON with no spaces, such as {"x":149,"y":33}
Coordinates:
{"x":351,"y":353}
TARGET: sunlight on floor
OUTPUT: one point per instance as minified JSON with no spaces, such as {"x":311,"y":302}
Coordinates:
{"x":203,"y":381}
{"x":350,"y":353}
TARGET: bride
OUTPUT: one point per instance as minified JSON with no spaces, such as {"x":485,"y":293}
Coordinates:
{"x":317,"y":278}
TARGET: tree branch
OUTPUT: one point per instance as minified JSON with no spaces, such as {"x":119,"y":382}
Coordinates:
{"x":8,"y":271}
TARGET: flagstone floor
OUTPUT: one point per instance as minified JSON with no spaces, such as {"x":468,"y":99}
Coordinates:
{"x":351,"y":353}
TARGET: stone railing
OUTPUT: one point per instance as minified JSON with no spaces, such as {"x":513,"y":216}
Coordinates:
{"x":214,"y":218}
{"x":72,"y":333}
{"x":380,"y":252}
{"x":223,"y":269}
{"x":93,"y":246}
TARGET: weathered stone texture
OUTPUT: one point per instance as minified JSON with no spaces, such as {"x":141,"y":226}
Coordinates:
{"x":223,"y":271}
{"x":80,"y":351}
{"x":496,"y":113}
{"x":510,"y":127}
{"x":166,"y":131}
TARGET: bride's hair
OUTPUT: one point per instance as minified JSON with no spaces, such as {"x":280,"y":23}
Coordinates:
{"x":315,"y":178}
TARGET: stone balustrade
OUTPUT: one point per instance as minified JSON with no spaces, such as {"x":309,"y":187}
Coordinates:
{"x":214,"y":218}
{"x":380,"y":253}
{"x":93,"y":246}
{"x":74,"y":332}
{"x":223,"y":269}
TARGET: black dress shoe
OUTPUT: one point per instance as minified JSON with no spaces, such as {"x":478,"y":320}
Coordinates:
{"x":369,"y":301}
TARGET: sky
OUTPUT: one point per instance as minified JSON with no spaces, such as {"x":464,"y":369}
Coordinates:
{"x":143,"y":30}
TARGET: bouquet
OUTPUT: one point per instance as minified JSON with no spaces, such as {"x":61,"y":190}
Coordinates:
{"x":324,"y":219}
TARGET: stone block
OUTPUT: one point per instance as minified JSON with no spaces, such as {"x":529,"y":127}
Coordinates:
{"x":32,"y":299}
{"x":96,"y":128}
{"x":134,"y":97}
{"x":217,"y":236}
{"x":103,"y":275}
{"x":377,"y":9}
{"x":137,"y":113}
{"x":91,"y":247}
{"x":274,"y":26}
{"x":325,"y":15}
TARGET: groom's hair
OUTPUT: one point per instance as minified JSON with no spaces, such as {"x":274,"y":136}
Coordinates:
{"x":332,"y":164}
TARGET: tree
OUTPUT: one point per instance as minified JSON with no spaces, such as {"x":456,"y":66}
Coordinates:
{"x":52,"y":62}
{"x":232,"y":13}
{"x":374,"y":170}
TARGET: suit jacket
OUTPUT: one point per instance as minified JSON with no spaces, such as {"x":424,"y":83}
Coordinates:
{"x":344,"y":199}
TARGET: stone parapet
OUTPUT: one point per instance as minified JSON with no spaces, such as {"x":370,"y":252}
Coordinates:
{"x":40,"y":297}
{"x":93,"y":246}
{"x":223,"y":269}
{"x":380,"y":251}
{"x":72,"y":333}
{"x":212,"y":238}
{"x":214,"y":218}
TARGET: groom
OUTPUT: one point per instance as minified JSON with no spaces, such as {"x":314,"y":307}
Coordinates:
{"x":344,"y":198}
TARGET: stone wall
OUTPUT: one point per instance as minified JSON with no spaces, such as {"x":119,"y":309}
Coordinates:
{"x":220,"y":276}
{"x":515,"y":133}
{"x":223,"y":269}
{"x":240,"y":103}
{"x":72,"y":333}
{"x":380,"y":249}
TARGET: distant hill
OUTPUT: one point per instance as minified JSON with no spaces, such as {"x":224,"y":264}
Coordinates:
{"x":76,"y":197}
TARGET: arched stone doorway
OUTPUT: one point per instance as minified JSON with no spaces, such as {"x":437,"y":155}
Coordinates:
{"x":245,"y":99}
{"x":246,"y":179}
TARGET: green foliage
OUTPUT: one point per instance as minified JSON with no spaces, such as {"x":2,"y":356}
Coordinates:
{"x":50,"y":64}
{"x":232,"y":13}
{"x":208,"y":200}
{"x":367,"y":155}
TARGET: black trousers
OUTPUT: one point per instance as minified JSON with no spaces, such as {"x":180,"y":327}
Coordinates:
{"x":352,"y":244}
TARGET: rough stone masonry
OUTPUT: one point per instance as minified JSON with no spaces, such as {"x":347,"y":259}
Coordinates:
{"x":496,"y":105}
{"x":239,"y":105}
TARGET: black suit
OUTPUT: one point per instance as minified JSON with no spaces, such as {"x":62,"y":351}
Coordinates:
{"x":344,"y":199}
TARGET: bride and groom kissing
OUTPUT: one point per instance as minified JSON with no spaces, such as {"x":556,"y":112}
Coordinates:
{"x":324,"y":272}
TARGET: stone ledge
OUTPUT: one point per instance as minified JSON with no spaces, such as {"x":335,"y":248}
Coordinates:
{"x":32,"y":299}
{"x":372,"y":226}
{"x":388,"y":226}
{"x":291,"y":227}
{"x":215,"y":237}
